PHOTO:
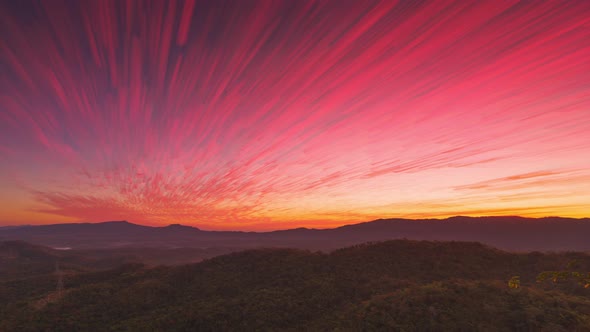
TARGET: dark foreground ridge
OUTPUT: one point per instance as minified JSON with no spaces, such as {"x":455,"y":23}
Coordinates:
{"x":396,"y":285}
{"x":509,"y":233}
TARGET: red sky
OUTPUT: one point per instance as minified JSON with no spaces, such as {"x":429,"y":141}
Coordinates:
{"x":277,"y":114}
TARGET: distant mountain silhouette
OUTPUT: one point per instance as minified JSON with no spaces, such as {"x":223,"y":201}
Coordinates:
{"x":509,"y":233}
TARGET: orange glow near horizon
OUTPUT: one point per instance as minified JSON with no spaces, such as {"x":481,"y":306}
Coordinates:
{"x":291,"y":114}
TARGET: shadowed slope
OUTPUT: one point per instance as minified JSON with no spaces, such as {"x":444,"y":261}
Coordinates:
{"x":391,"y":285}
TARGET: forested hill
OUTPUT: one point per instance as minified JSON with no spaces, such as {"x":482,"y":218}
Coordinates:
{"x":395,"y":285}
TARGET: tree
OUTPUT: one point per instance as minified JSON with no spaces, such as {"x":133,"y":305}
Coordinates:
{"x":580,"y":277}
{"x":514,"y":282}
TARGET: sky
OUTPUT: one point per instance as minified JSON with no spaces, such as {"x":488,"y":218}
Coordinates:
{"x":260,"y":115}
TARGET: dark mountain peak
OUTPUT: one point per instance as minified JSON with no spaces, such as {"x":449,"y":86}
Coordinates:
{"x":116,"y":223}
{"x":298,"y":229}
{"x":121,"y":223}
{"x":77,"y":229}
{"x":458,"y":218}
{"x":375,"y":223}
{"x":181,"y":227}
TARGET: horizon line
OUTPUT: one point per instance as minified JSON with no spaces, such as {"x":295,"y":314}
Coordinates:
{"x":286,"y":229}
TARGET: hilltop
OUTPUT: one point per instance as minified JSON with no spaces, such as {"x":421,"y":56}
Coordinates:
{"x":393,"y":285}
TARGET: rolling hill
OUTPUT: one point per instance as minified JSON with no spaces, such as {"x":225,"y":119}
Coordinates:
{"x":398,"y":285}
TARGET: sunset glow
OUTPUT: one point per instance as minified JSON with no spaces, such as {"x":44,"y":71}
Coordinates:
{"x":259,"y":115}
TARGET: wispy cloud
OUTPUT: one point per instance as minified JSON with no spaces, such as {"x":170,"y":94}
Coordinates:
{"x":284,"y":111}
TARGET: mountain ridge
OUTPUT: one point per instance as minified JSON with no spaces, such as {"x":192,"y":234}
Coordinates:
{"x":176,"y":225}
{"x":504,"y":232}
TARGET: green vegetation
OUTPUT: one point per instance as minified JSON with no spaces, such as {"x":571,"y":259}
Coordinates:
{"x":514,"y":282}
{"x":568,"y":275}
{"x":395,"y":286}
